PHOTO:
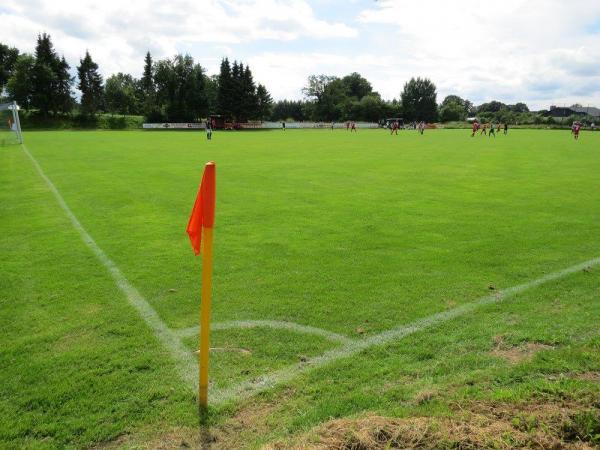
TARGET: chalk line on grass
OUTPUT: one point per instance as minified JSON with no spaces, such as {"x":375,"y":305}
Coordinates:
{"x":186,"y":363}
{"x":248,"y":388}
{"x":275,"y":324}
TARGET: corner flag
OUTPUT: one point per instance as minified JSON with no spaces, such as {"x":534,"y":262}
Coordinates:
{"x":200,"y":231}
{"x":203,"y":213}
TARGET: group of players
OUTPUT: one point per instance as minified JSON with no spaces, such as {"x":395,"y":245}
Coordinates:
{"x":483,"y":129}
{"x":419,"y":126}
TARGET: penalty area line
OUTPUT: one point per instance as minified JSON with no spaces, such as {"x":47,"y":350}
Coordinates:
{"x":184,"y":359}
{"x":249,"y":388}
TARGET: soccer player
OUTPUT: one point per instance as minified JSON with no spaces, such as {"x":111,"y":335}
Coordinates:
{"x":347,"y":126}
{"x":492,"y":130}
{"x":352,"y":127}
{"x":576,"y":128}
{"x":283,"y":126}
{"x":505,"y":128}
{"x":332,"y":124}
{"x":483,"y":129}
{"x":208,"y":131}
{"x":474,"y":128}
{"x":395,"y":128}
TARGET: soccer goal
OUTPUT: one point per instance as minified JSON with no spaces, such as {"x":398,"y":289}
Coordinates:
{"x":10,"y":126}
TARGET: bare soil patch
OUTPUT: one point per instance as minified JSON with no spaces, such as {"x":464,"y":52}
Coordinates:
{"x":517,"y":354}
{"x":480,"y":426}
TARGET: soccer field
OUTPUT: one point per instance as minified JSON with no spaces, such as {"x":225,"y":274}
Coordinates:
{"x":354,"y":275}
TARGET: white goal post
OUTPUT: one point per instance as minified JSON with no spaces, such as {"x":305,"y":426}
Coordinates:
{"x":10,"y":125}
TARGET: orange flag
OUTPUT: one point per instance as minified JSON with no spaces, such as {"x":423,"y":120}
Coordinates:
{"x":203,"y":214}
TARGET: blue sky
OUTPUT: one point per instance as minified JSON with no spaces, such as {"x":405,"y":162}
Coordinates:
{"x":542,"y":52}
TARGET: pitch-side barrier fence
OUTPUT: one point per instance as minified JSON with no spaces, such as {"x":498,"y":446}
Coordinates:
{"x":261,"y":125}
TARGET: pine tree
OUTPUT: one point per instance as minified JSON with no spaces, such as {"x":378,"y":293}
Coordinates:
{"x":264,"y":103}
{"x":90,"y":85}
{"x":64,"y":81}
{"x":248,"y":98}
{"x":44,"y":77}
{"x":224,"y":90}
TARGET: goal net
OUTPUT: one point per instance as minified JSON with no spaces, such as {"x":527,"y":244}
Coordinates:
{"x":10,"y":126}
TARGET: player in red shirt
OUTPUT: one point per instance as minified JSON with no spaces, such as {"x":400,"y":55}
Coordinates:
{"x":475,"y":128}
{"x":576,"y":129}
{"x":395,"y":127}
{"x":352,"y":127}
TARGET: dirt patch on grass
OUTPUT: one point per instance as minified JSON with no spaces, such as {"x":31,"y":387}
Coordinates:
{"x":480,"y":426}
{"x":519,"y":353}
{"x":588,"y":376}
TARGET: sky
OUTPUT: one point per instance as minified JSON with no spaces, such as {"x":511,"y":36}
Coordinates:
{"x":541,"y":52}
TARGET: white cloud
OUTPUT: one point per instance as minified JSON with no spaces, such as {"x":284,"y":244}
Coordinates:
{"x":539,"y":51}
{"x":535,"y":50}
{"x":118,"y":33}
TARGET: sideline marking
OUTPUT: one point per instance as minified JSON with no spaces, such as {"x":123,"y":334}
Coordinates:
{"x":248,"y":388}
{"x":182,"y":356}
{"x":275,"y":324}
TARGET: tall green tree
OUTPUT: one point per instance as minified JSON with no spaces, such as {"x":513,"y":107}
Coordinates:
{"x":264,"y":103}
{"x":8,"y":59}
{"x":248,"y":99}
{"x":20,"y":84}
{"x":44,"y":76}
{"x":90,"y":85}
{"x":180,"y":89}
{"x":357,"y":85}
{"x":64,"y":81}
{"x":419,"y":100}
{"x":225,"y":90}
{"x":120,"y":94}
{"x":315,"y":86}
{"x":146,"y":92}
{"x":455,"y":108}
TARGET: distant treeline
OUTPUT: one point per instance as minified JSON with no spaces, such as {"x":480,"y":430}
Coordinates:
{"x":179,"y":90}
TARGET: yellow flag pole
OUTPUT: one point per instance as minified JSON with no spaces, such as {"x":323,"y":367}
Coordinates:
{"x":207,"y":260}
{"x":200,"y":228}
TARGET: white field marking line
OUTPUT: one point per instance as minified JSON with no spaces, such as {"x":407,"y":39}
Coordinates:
{"x":248,"y":388}
{"x":186,"y":363}
{"x":275,"y":324}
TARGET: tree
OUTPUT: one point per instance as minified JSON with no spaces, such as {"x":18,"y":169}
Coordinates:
{"x":8,"y":59}
{"x":248,"y":100}
{"x":454,"y":108}
{"x":265,"y":102}
{"x":452,"y":111}
{"x":289,"y":109}
{"x":120,"y":94}
{"x":64,"y":81}
{"x":90,"y":85}
{"x":316,"y":85}
{"x":180,"y":89}
{"x":492,"y":107}
{"x":370,"y":108}
{"x":225,"y":92}
{"x":357,"y":86}
{"x":44,"y":78}
{"x":419,"y":100}
{"x":20,"y":84}
{"x":146,"y":92}
{"x":519,"y":108}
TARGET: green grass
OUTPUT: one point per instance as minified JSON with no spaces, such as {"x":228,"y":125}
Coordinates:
{"x":355,"y":234}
